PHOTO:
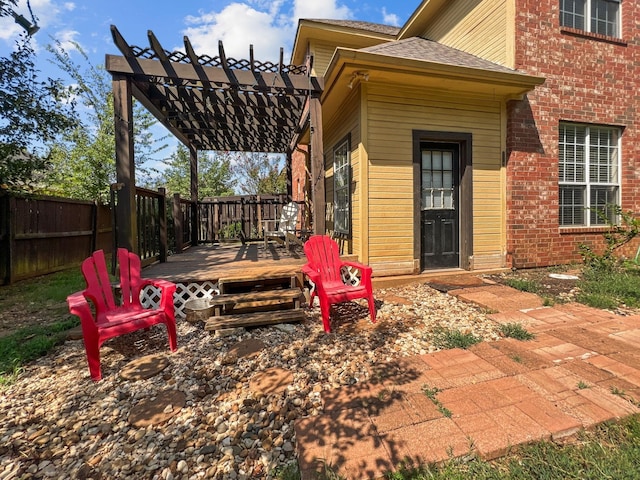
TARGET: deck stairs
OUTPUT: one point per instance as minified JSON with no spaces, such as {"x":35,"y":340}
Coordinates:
{"x":258,"y":300}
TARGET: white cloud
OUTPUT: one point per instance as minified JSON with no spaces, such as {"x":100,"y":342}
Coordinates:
{"x":320,"y":9}
{"x":67,"y":39}
{"x":239,"y":25}
{"x":390,"y":18}
{"x":69,"y":6}
{"x":265,"y":24}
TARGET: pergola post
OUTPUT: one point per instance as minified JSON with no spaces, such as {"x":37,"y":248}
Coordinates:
{"x":127,"y":233}
{"x":317,"y":166}
{"x":193,"y":163}
{"x":288,"y":165}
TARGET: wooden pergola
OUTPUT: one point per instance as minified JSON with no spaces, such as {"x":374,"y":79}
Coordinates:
{"x":213,"y":103}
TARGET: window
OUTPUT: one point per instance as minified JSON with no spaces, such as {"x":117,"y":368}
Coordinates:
{"x":588,"y":174}
{"x":341,"y":188}
{"x":595,"y":16}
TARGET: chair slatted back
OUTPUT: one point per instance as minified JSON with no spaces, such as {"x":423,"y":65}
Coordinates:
{"x":324,"y":257}
{"x":99,"y":288}
{"x":288,"y":218}
{"x":130,"y":277}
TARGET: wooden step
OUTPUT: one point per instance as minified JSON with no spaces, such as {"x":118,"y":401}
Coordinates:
{"x":254,"y":319}
{"x":255,"y":299}
{"x":274,"y":277}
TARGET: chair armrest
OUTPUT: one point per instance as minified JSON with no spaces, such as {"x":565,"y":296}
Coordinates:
{"x":158,"y":283}
{"x":358,"y":265}
{"x":167,"y":291}
{"x":366,"y":271}
{"x":79,"y":306}
{"x":266,"y":223}
{"x":311,"y":273}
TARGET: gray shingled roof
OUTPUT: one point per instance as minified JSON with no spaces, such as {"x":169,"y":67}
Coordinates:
{"x":422,"y":49}
{"x":366,"y":26}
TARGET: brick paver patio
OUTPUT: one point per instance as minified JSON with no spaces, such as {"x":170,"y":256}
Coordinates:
{"x":582,"y":368}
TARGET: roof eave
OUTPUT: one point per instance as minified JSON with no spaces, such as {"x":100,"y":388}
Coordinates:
{"x":416,"y":24}
{"x":370,"y":60}
{"x":306,"y":26}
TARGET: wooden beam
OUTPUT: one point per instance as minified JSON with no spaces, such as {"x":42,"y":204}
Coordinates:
{"x":215,"y":75}
{"x":127,"y":230}
{"x":144,"y":99}
{"x":193,"y":162}
{"x":317,"y":167}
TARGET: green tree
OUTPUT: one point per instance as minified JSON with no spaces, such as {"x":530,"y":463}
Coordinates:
{"x":260,"y":173}
{"x":215,"y":178}
{"x":84,"y":160}
{"x":32,"y":112}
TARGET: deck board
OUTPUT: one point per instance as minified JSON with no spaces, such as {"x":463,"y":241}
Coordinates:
{"x":212,"y":262}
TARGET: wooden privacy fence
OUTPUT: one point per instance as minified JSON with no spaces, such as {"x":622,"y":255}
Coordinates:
{"x":40,"y":235}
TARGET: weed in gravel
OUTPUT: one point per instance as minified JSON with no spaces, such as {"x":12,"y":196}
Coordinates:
{"x":523,"y":284}
{"x":289,"y":471}
{"x":447,"y":338}
{"x":517,"y":331}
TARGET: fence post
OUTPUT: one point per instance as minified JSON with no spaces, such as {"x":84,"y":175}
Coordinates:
{"x":5,"y":238}
{"x":243,"y":220}
{"x":94,"y":227}
{"x":177,"y":222}
{"x":12,"y":234}
{"x":162,"y":206}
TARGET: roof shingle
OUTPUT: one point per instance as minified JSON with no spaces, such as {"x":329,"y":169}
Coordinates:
{"x":422,"y":49}
{"x":358,"y":25}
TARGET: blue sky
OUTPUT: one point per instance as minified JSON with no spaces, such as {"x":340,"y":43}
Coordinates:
{"x":267,"y":24}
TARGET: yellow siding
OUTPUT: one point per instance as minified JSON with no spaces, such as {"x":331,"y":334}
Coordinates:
{"x":322,"y":53}
{"x":335,"y":130}
{"x":478,"y":27}
{"x":393,"y":114}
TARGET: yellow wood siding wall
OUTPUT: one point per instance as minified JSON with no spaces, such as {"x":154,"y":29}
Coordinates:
{"x":335,"y":130}
{"x":322,"y":53}
{"x":393,"y":114}
{"x":477,"y":27}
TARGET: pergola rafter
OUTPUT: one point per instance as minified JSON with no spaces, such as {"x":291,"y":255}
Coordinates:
{"x":212,"y":103}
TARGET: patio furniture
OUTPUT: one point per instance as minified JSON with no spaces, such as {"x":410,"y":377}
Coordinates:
{"x":285,"y":229}
{"x":111,"y":320}
{"x":324,"y":269}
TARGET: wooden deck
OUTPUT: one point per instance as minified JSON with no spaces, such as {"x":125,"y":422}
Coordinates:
{"x":213,"y":262}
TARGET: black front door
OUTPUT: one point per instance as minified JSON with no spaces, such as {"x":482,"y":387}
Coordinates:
{"x":439,"y":205}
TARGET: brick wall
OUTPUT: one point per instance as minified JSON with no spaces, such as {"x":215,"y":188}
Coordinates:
{"x":590,"y":79}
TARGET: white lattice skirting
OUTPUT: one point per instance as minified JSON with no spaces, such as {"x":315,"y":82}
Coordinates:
{"x":190,"y":291}
{"x":350,"y":276}
{"x":184,"y":293}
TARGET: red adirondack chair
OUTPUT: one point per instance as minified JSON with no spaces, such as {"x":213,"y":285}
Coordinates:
{"x":324,"y":269}
{"x":111,"y":320}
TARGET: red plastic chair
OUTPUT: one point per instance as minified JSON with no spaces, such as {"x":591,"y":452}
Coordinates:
{"x":111,"y":320}
{"x":324,"y":269}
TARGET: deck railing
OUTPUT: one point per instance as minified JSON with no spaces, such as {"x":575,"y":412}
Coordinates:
{"x":227,"y":219}
{"x":151,"y":215}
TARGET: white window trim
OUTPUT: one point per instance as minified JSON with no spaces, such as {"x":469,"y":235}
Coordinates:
{"x":588,"y":18}
{"x":587,"y":184}
{"x":346,"y":145}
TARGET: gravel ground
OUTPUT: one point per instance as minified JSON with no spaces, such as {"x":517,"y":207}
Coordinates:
{"x":57,"y":423}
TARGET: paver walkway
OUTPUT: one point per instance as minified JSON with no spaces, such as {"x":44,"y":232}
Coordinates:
{"x":582,"y":368}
